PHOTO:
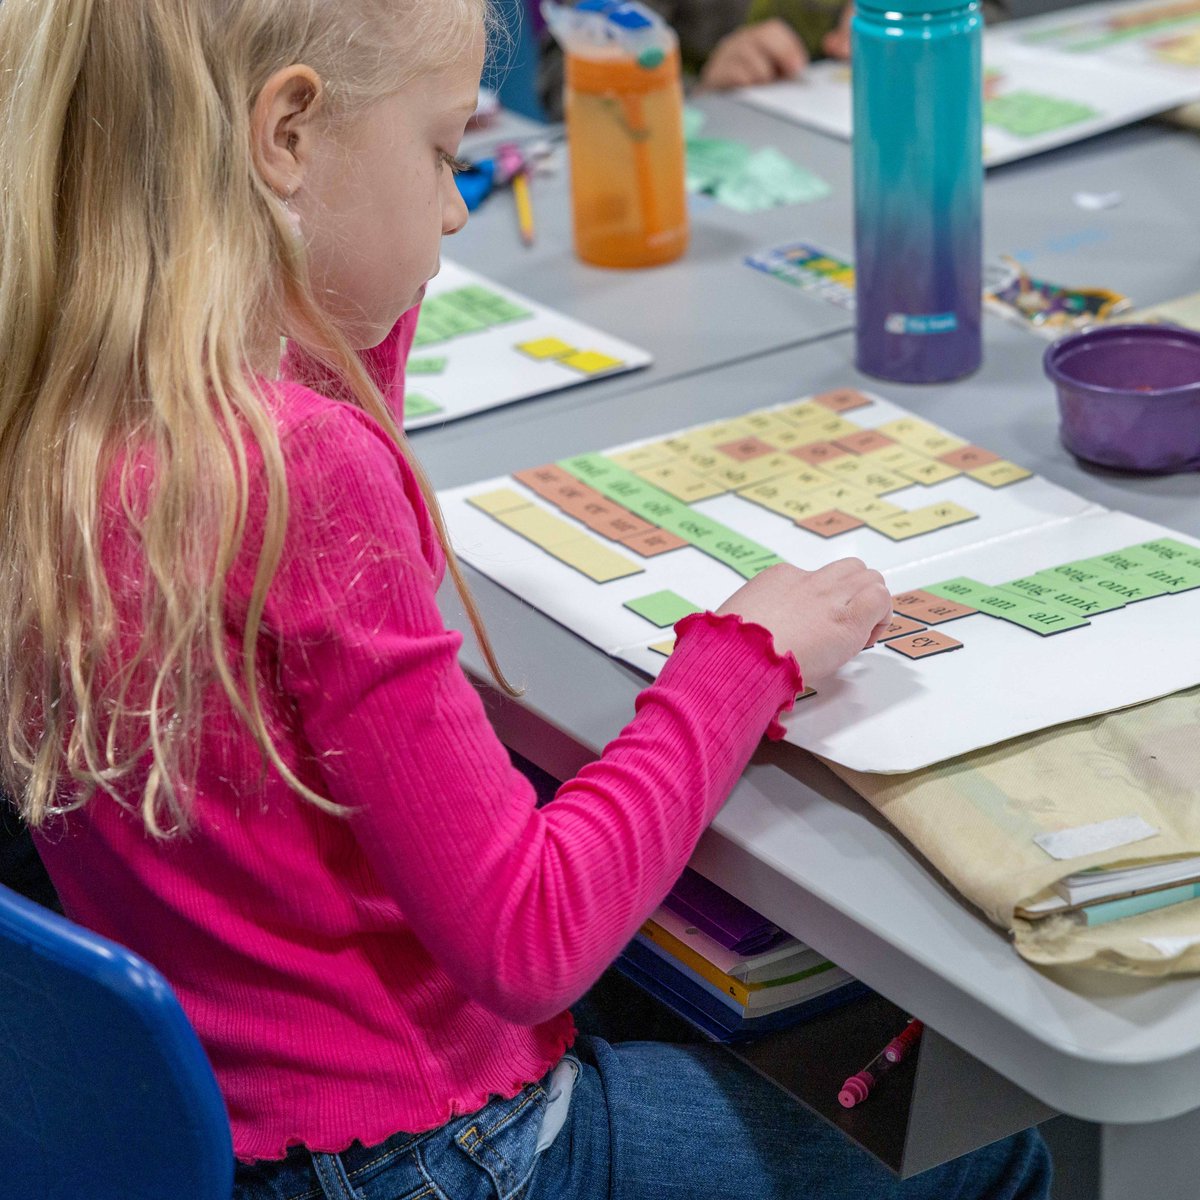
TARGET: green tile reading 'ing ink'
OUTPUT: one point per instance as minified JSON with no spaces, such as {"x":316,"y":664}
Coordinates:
{"x":661,"y":608}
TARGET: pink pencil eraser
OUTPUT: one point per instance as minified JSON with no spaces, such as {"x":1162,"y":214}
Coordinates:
{"x":894,"y":1050}
{"x":855,"y":1090}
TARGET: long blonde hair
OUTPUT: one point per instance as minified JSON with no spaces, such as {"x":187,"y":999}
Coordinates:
{"x":141,"y":258}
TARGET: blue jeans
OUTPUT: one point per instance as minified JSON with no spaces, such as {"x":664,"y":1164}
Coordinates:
{"x":647,"y":1121}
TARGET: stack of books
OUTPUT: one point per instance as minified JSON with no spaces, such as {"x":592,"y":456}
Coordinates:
{"x":727,"y":969}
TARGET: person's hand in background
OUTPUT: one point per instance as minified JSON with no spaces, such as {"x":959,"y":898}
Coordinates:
{"x":836,"y":43}
{"x":760,"y":53}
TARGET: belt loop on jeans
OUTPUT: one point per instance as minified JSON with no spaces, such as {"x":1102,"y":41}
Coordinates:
{"x":332,"y":1177}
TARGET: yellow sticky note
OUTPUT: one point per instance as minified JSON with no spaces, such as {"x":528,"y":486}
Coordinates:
{"x":549,"y":347}
{"x":591,"y":362}
{"x":540,"y":527}
{"x":500,"y":501}
{"x":929,"y":472}
{"x":663,"y":648}
{"x":597,"y":562}
{"x":1000,"y":473}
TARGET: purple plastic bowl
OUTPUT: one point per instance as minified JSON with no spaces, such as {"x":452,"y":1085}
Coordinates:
{"x":1129,"y":396}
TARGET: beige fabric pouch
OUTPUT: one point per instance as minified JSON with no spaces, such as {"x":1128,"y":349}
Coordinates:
{"x":975,"y":819}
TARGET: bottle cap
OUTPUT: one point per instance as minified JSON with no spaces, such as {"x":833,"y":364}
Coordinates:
{"x":919,"y":8}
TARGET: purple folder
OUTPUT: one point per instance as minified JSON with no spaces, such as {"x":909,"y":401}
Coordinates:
{"x":725,"y":919}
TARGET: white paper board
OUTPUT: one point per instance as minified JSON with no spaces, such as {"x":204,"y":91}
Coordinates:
{"x":485,"y":370}
{"x":884,"y":712}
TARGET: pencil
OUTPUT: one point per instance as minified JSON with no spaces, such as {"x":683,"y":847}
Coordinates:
{"x":520,"y":186}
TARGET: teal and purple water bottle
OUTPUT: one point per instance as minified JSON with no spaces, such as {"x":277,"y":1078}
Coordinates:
{"x":918,"y":188}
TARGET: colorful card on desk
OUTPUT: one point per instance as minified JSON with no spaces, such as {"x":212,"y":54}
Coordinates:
{"x":1018,"y":604}
{"x":480,"y":345}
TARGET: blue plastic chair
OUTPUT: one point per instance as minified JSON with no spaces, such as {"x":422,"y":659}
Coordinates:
{"x":105,"y":1092}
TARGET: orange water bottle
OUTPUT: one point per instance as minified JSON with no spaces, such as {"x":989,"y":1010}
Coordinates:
{"x":624,"y":110}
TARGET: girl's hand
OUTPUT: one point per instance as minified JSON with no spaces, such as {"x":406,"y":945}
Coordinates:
{"x":758,"y":53}
{"x":823,"y":617}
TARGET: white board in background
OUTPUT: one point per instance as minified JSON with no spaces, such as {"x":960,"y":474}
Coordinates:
{"x":484,"y":369}
{"x":1163,"y":35}
{"x":1116,"y":93}
{"x":884,"y":713}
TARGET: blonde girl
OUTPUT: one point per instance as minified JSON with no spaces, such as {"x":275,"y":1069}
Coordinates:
{"x":234,"y":718}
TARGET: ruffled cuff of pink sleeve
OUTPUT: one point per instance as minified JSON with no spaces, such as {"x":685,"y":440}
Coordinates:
{"x":757,"y":641}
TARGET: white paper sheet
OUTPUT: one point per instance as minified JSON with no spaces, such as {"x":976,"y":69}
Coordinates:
{"x":1118,"y":87}
{"x":484,"y":370}
{"x":884,"y":712}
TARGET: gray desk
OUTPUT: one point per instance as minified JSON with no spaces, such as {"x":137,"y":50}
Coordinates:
{"x":793,"y":841}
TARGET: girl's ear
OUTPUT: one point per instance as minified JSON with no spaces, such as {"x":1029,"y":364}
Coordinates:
{"x":281,"y":127}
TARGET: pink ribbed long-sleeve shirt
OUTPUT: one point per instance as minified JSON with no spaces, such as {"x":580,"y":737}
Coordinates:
{"x":352,"y":977}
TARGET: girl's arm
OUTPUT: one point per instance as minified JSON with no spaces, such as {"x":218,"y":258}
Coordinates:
{"x":384,"y":363}
{"x":524,"y":908}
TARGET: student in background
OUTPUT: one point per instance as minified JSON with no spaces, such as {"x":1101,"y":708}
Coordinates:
{"x":234,"y":716}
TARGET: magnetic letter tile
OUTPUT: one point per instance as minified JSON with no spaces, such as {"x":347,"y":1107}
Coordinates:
{"x":900,"y":627}
{"x":830,"y":524}
{"x":597,"y":562}
{"x":746,"y":449}
{"x":842,"y":400}
{"x":661,"y":608}
{"x":922,"y":645}
{"x":969,"y":458}
{"x":929,"y":472}
{"x":1000,"y":473}
{"x":500,"y":501}
{"x":865,"y":442}
{"x":650,"y":545}
{"x":816,"y":453}
{"x":419,"y":406}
